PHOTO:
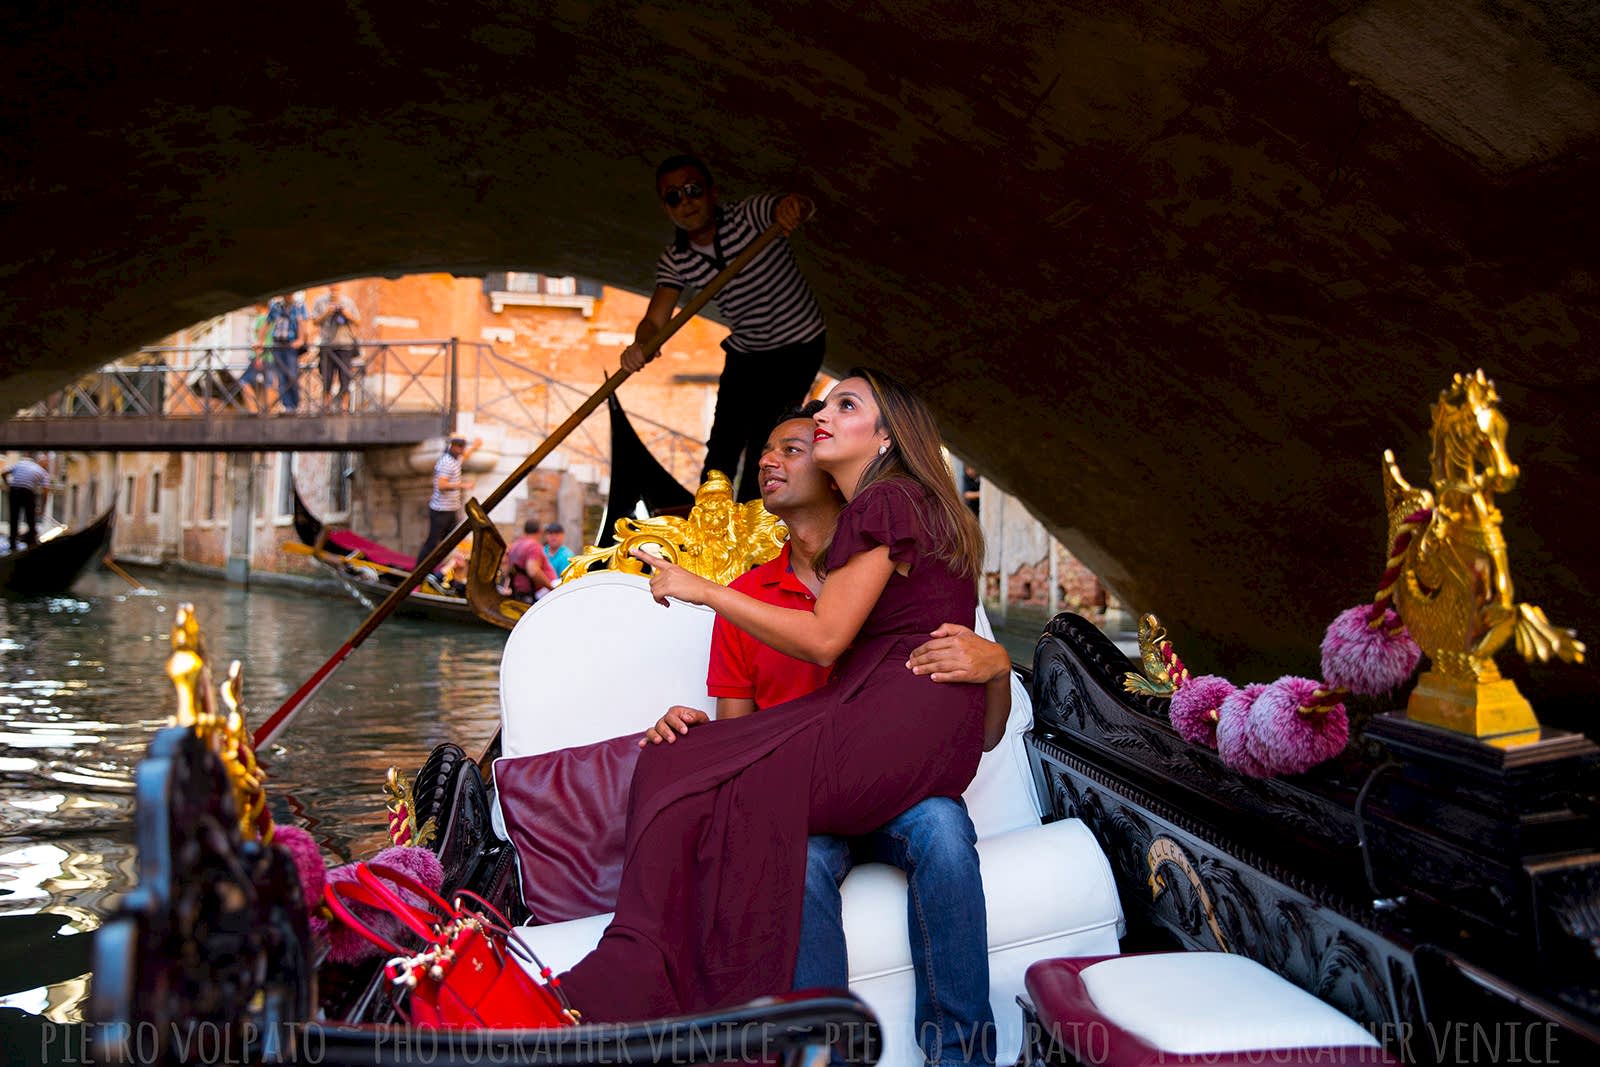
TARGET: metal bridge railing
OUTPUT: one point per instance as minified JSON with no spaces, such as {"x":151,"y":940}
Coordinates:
{"x":412,"y":377}
{"x":216,"y":382}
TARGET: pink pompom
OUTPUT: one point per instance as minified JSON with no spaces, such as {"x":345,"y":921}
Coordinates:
{"x":1196,"y":708}
{"x":347,"y":946}
{"x":302,"y":849}
{"x":1285,"y":740}
{"x":1368,"y":661}
{"x":420,"y":863}
{"x":1233,"y":720}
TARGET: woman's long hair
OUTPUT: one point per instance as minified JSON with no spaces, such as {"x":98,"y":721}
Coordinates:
{"x":914,"y":455}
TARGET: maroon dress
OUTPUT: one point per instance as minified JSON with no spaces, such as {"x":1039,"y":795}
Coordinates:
{"x":708,"y":911}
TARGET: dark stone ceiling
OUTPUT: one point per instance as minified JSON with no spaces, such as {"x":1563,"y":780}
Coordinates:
{"x":1176,"y":274}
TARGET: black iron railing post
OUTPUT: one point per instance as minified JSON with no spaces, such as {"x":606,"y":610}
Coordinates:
{"x":451,"y":398}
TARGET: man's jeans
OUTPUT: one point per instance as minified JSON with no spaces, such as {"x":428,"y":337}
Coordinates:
{"x":934,"y":844}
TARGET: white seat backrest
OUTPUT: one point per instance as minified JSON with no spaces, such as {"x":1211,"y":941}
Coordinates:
{"x":598,"y":658}
{"x":1002,"y":796}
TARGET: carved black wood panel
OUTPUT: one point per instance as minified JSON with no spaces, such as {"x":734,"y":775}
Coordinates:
{"x":1213,"y":897}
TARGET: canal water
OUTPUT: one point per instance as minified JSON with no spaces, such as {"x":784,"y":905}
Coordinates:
{"x":83,"y":689}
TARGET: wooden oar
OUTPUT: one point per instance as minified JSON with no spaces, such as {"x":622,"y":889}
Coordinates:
{"x":280,"y":718}
{"x":111,"y":565}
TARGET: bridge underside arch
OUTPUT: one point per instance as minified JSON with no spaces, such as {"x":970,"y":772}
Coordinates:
{"x":1174,"y":275}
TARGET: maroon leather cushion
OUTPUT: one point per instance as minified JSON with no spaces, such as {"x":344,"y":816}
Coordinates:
{"x":566,"y":813}
{"x":1072,"y":1023}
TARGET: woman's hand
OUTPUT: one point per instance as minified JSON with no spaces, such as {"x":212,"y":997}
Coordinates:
{"x":671,"y":580}
{"x":956,"y":654}
{"x":676,"y":721}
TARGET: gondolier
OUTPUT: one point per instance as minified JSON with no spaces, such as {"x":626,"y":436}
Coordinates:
{"x":444,"y":506}
{"x":28,"y":485}
{"x":777,"y":343}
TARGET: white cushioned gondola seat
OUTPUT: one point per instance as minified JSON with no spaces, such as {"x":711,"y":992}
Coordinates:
{"x":1189,"y":1007}
{"x":570,"y":678}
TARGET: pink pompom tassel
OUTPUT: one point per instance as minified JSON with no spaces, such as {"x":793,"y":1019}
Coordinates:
{"x":1232,"y":722}
{"x":347,"y":946}
{"x":1286,"y":740}
{"x":1197,"y":706}
{"x":302,"y":849}
{"x":1368,"y":660}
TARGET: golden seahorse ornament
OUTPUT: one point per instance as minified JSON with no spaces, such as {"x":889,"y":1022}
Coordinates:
{"x":719,"y":540}
{"x":1449,"y":575}
{"x":1164,"y":672}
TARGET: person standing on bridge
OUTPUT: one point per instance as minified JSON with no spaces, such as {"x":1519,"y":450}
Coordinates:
{"x":28,"y":485}
{"x":777,"y":343}
{"x":337,"y":348}
{"x":283,"y":332}
{"x":444,"y":507}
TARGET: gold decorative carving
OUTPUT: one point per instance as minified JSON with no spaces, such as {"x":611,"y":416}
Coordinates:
{"x":1163,"y":671}
{"x":1164,"y":850}
{"x":720,"y":539}
{"x":1451,"y":581}
{"x":402,"y":805}
{"x":224,"y":733}
{"x":483,"y":572}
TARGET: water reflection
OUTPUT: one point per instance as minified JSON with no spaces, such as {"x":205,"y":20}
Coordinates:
{"x":82,"y":690}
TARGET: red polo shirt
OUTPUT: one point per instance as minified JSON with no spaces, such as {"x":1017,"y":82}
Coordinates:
{"x":741,"y":666}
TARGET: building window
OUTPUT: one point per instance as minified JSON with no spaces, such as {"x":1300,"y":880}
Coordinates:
{"x":525,"y":289}
{"x":128,"y":495}
{"x":155,"y":493}
{"x":94,"y":498}
{"x":339,"y":478}
{"x":285,"y":485}
{"x":74,"y":508}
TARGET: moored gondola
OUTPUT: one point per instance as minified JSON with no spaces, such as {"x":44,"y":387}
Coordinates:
{"x":369,"y":571}
{"x":55,"y":563}
{"x":1423,"y":894}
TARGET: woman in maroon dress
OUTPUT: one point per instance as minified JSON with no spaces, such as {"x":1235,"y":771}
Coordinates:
{"x":708,"y":911}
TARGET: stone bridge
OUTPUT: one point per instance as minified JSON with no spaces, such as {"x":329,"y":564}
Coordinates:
{"x":1175,"y":274}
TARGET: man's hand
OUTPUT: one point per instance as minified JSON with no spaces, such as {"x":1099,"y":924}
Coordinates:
{"x":633,"y":357}
{"x":676,"y":721}
{"x":671,"y":580}
{"x":956,"y":654}
{"x":792,"y":210}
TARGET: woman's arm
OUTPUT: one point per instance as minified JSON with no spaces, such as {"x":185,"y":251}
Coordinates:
{"x":818,"y":636}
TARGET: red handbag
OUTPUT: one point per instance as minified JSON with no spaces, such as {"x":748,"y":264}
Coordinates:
{"x":464,"y":976}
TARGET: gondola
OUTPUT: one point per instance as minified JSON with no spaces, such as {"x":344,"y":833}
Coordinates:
{"x":55,"y":563}
{"x":1422,"y":894}
{"x":369,"y":571}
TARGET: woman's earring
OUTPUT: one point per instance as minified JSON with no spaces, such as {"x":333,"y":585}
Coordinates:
{"x":882,"y":449}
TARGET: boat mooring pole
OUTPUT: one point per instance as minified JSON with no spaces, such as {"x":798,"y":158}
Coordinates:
{"x":279,"y":719}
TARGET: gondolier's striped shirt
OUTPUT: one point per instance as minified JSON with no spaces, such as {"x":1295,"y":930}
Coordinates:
{"x":446,"y":499}
{"x":768,"y":305}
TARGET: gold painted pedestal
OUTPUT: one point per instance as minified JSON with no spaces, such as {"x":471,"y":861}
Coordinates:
{"x":1490,"y":708}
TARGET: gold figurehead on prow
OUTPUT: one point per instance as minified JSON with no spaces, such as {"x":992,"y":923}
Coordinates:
{"x":720,"y":539}
{"x":1451,"y":582}
{"x":224,"y":734}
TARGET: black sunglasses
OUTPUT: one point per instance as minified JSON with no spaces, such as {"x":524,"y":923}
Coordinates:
{"x":678,"y":194}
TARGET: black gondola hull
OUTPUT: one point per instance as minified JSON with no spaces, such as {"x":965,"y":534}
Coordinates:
{"x":53,"y":566}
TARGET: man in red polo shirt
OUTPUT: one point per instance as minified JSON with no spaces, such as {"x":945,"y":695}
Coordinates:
{"x":933,"y":842}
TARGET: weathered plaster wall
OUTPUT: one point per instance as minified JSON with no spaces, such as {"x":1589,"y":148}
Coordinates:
{"x":1175,"y":274}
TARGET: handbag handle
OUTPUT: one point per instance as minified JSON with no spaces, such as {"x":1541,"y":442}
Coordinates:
{"x":369,"y":889}
{"x":332,"y":891}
